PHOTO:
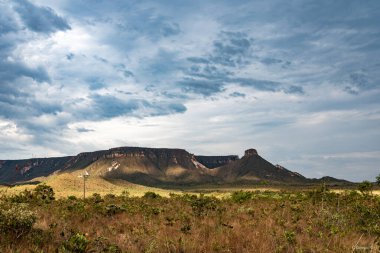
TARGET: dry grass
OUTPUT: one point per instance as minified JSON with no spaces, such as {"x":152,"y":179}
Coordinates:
{"x":270,"y":221}
{"x":69,"y":184}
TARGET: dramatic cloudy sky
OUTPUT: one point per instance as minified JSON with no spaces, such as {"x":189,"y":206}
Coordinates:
{"x":299,"y":80}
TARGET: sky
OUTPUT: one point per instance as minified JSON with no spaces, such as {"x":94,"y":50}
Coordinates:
{"x":298,"y":80}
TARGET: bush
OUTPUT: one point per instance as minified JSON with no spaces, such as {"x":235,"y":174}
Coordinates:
{"x":151,"y":195}
{"x":109,"y":196}
{"x":17,"y":220}
{"x":71,"y":197}
{"x":113,"y":209}
{"x":125,"y":194}
{"x":202,"y":205}
{"x":97,"y":198}
{"x":44,"y":192}
{"x":290,"y":237}
{"x":77,"y":243}
{"x":365,"y":187}
{"x":23,"y":197}
{"x":241,"y":196}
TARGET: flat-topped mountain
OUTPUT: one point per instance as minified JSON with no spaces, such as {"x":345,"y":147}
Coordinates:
{"x":156,"y":166}
{"x":252,"y":167}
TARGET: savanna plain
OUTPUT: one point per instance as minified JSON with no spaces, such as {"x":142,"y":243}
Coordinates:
{"x":141,"y":219}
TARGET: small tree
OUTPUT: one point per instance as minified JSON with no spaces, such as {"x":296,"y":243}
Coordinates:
{"x":365,"y":187}
{"x":378,"y":180}
{"x":44,"y":193}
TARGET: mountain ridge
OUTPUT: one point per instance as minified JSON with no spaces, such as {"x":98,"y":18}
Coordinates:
{"x":158,"y":166}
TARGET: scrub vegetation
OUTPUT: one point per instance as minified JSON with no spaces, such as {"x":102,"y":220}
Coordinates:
{"x":314,"y":220}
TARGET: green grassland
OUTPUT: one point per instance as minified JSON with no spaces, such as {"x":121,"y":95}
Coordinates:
{"x":118,"y":216}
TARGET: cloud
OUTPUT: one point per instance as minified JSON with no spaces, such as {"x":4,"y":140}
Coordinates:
{"x":232,"y":51}
{"x":107,"y":106}
{"x":359,"y":82}
{"x":204,"y":87}
{"x":8,"y":22}
{"x":237,"y":94}
{"x":84,"y":130}
{"x":96,"y":83}
{"x":67,"y":69}
{"x":10,"y":71}
{"x":40,"y":19}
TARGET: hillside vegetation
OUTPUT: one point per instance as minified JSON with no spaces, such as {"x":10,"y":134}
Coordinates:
{"x":243,"y":221}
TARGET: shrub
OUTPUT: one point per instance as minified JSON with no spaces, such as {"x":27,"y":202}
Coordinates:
{"x":71,"y":197}
{"x":110,"y":196}
{"x":44,"y":192}
{"x":77,"y":243}
{"x":241,"y":196}
{"x":23,"y":197}
{"x":125,"y":194}
{"x":151,"y":195}
{"x":113,"y":209}
{"x":202,"y":205}
{"x":365,"y":187}
{"x":290,"y":237}
{"x":76,"y":206}
{"x":17,"y":220}
{"x":97,"y":198}
{"x":186,"y":229}
{"x":39,"y":237}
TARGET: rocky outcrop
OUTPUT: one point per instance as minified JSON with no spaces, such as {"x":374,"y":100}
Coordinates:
{"x":250,"y":152}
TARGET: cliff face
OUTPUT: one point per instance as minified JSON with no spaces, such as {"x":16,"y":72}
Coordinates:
{"x":12,"y":171}
{"x":212,"y":162}
{"x":155,"y":166}
{"x":140,"y":165}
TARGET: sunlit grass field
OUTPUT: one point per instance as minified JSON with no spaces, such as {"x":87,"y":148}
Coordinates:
{"x":70,"y":184}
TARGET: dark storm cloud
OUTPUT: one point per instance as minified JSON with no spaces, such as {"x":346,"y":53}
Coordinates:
{"x":40,"y":19}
